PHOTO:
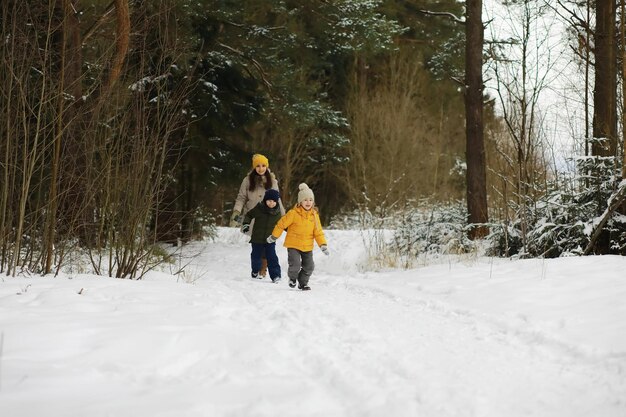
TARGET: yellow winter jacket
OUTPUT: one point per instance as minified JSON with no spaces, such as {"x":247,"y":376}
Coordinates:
{"x":303,"y":226}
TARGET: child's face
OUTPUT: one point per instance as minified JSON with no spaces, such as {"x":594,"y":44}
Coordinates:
{"x":270,"y":203}
{"x":307,"y":203}
{"x":260,"y":169}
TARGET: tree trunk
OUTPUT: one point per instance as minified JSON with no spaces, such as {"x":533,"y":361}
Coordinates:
{"x":475,"y":147}
{"x":605,"y":93}
{"x":623,"y":44}
{"x":122,"y":41}
{"x":70,"y":82}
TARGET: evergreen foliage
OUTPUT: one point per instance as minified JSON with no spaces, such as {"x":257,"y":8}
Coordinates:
{"x":560,"y":223}
{"x":434,"y":29}
{"x":272,"y":69}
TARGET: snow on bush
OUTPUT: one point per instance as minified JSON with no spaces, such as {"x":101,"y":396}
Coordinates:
{"x":399,"y":238}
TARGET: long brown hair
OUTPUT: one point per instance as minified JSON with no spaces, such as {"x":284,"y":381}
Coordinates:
{"x":254,"y":178}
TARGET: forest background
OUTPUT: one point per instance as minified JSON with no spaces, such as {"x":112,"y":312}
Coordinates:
{"x":126,"y":124}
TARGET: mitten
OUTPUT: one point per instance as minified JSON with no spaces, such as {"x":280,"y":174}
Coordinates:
{"x":324,"y":249}
{"x":271,"y":239}
{"x":235,"y":219}
{"x":245,"y":228}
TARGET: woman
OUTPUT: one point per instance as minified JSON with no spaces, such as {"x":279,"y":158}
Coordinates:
{"x":251,"y":192}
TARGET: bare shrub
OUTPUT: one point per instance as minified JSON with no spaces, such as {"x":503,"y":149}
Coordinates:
{"x":89,"y":127}
{"x":398,"y":150}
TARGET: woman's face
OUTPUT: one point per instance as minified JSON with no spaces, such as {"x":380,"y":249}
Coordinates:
{"x":260,"y":169}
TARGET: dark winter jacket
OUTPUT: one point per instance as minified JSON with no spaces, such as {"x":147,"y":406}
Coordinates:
{"x":265,"y":219}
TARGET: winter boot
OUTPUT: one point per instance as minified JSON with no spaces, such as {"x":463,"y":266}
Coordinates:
{"x":292,"y":282}
{"x":275,"y":280}
{"x":255,"y":275}
{"x":304,"y":287}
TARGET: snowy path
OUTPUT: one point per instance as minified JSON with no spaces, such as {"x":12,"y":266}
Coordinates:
{"x":356,"y":345}
{"x":363,"y":347}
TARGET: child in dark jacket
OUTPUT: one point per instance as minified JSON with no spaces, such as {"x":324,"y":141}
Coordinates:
{"x":265,"y":215}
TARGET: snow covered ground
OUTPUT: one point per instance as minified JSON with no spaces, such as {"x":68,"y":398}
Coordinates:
{"x":480,"y":337}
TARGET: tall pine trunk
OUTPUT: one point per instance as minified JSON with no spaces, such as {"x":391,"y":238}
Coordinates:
{"x":605,"y":92}
{"x":623,"y":46}
{"x":475,"y":147}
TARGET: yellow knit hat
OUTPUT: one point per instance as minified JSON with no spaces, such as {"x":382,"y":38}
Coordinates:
{"x":258,"y":159}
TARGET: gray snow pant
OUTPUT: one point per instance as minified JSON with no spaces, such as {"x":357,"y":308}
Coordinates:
{"x":301,"y":265}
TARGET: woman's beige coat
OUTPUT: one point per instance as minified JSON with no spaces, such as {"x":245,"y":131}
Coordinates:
{"x":246,"y":199}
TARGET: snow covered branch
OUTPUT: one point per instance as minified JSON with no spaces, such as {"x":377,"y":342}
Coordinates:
{"x":444,"y":14}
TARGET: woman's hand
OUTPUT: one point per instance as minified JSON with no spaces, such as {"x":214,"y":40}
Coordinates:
{"x":235,"y":219}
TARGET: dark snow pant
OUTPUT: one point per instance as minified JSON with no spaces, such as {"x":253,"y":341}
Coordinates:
{"x":301,"y":266}
{"x":269,"y":250}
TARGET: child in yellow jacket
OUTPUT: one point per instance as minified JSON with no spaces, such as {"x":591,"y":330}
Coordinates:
{"x":303,"y":227}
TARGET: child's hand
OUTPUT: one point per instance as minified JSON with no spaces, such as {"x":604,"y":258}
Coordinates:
{"x":271,"y":239}
{"x":324,"y":249}
{"x":245,"y":228}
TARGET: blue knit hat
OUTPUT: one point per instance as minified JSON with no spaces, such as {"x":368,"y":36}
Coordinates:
{"x":271,"y":194}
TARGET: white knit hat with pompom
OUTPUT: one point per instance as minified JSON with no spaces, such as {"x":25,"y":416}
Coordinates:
{"x":305,"y":192}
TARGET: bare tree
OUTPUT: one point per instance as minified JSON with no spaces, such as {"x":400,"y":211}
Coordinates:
{"x":84,"y":157}
{"x":391,"y":123}
{"x":523,"y":67}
